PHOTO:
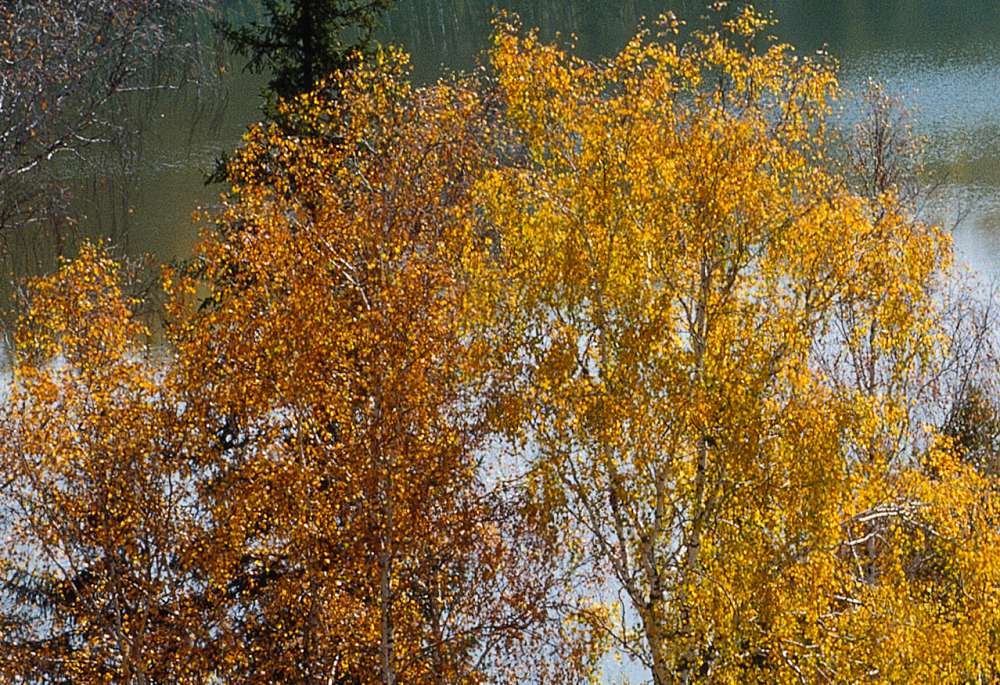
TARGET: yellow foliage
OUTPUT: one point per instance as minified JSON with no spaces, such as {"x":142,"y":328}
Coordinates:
{"x":717,"y":347}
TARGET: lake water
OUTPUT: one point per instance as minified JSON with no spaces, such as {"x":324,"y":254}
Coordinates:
{"x":943,"y":58}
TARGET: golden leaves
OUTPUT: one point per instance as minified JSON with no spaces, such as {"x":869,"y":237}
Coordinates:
{"x":687,"y":286}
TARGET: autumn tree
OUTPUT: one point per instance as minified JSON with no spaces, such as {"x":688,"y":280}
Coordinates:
{"x":356,"y":526}
{"x":98,"y":510}
{"x":709,"y":344}
{"x":296,"y":488}
{"x":457,"y":364}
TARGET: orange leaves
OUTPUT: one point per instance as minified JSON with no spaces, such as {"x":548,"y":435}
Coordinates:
{"x":82,"y":313}
{"x":97,"y":503}
{"x":329,"y":374}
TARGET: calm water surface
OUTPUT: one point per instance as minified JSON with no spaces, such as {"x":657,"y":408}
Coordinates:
{"x":942,"y":57}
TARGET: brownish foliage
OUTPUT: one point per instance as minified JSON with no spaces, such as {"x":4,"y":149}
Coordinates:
{"x":298,"y":488}
{"x":99,"y":512}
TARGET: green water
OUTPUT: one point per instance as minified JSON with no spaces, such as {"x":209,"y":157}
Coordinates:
{"x":942,"y":57}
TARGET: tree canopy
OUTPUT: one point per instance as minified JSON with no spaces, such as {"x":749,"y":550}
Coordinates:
{"x":482,"y":381}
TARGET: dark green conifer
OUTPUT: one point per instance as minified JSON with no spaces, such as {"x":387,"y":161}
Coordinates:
{"x":302,"y":41}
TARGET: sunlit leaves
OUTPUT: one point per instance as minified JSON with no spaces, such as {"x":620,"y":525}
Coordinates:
{"x":718,"y":353}
{"x":331,"y":365}
{"x":99,"y":519}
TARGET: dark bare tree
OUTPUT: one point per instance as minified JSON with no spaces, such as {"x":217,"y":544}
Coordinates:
{"x":71,"y":73}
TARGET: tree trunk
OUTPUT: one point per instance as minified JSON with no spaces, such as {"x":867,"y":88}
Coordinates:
{"x":388,"y":669}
